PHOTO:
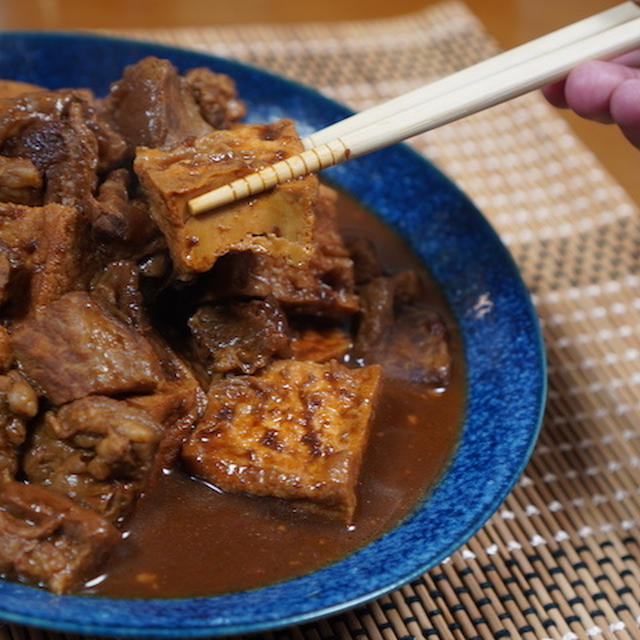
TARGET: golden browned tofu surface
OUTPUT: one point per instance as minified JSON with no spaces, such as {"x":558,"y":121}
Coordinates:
{"x":320,"y":344}
{"x":279,"y":222}
{"x":40,"y":250}
{"x":296,"y":431}
{"x":13,"y":88}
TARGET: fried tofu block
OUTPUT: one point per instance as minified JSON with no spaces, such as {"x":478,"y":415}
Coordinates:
{"x":45,"y":249}
{"x":320,"y":344}
{"x":278,"y":223}
{"x":13,"y":88}
{"x":296,"y":431}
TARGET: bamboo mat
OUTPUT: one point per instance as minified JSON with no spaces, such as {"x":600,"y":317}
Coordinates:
{"x":558,"y":559}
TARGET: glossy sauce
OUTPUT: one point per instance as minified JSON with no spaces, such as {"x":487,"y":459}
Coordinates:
{"x":187,"y":539}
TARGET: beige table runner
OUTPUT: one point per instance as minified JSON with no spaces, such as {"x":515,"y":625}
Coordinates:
{"x":559,"y":558}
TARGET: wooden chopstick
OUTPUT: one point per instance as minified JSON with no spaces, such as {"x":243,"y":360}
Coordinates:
{"x":572,"y":33}
{"x":612,"y":33}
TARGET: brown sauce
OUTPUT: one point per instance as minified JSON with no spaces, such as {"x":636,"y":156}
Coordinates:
{"x":187,"y":539}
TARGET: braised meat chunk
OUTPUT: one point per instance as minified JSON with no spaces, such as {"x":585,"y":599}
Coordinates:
{"x":323,"y":285}
{"x":178,"y":401}
{"x":278,"y":223}
{"x":13,"y":88}
{"x":116,"y":288}
{"x":20,"y":181}
{"x":410,"y":340}
{"x":378,"y":310}
{"x":366,"y":265}
{"x":97,"y":451}
{"x":152,"y":106}
{"x":6,"y":355}
{"x":18,"y":403}
{"x":177,"y":407}
{"x":76,"y":348}
{"x":296,"y":430}
{"x":61,"y":133}
{"x":49,"y":540}
{"x":116,"y":214}
{"x":418,"y":349}
{"x":239,"y":336}
{"x":216,"y":96}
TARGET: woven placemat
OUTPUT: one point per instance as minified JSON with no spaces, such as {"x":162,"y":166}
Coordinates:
{"x":558,"y":559}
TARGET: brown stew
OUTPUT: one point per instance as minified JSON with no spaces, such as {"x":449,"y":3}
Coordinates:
{"x":188,"y":539}
{"x":192,"y":405}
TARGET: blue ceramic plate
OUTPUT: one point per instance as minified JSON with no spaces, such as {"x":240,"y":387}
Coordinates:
{"x":502,"y":347}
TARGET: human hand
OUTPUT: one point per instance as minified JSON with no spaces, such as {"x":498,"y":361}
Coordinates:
{"x":605,"y":92}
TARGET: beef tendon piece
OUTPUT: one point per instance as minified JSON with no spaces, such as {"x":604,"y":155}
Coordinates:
{"x":97,"y":451}
{"x":20,"y":181}
{"x":48,"y":540}
{"x":114,"y":214}
{"x":411,"y":341}
{"x":296,"y":431}
{"x":75,"y":348}
{"x":216,"y":96}
{"x":323,"y":285}
{"x":239,"y":336}
{"x":418,"y":349}
{"x":152,"y":106}
{"x":45,"y":252}
{"x":376,"y":317}
{"x":278,"y":223}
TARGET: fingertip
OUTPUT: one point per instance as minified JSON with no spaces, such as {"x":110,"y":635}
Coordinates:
{"x":589,"y":87}
{"x":625,"y":109}
{"x":554,"y":93}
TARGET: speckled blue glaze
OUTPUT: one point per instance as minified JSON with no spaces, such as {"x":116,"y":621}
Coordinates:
{"x":502,"y":346}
